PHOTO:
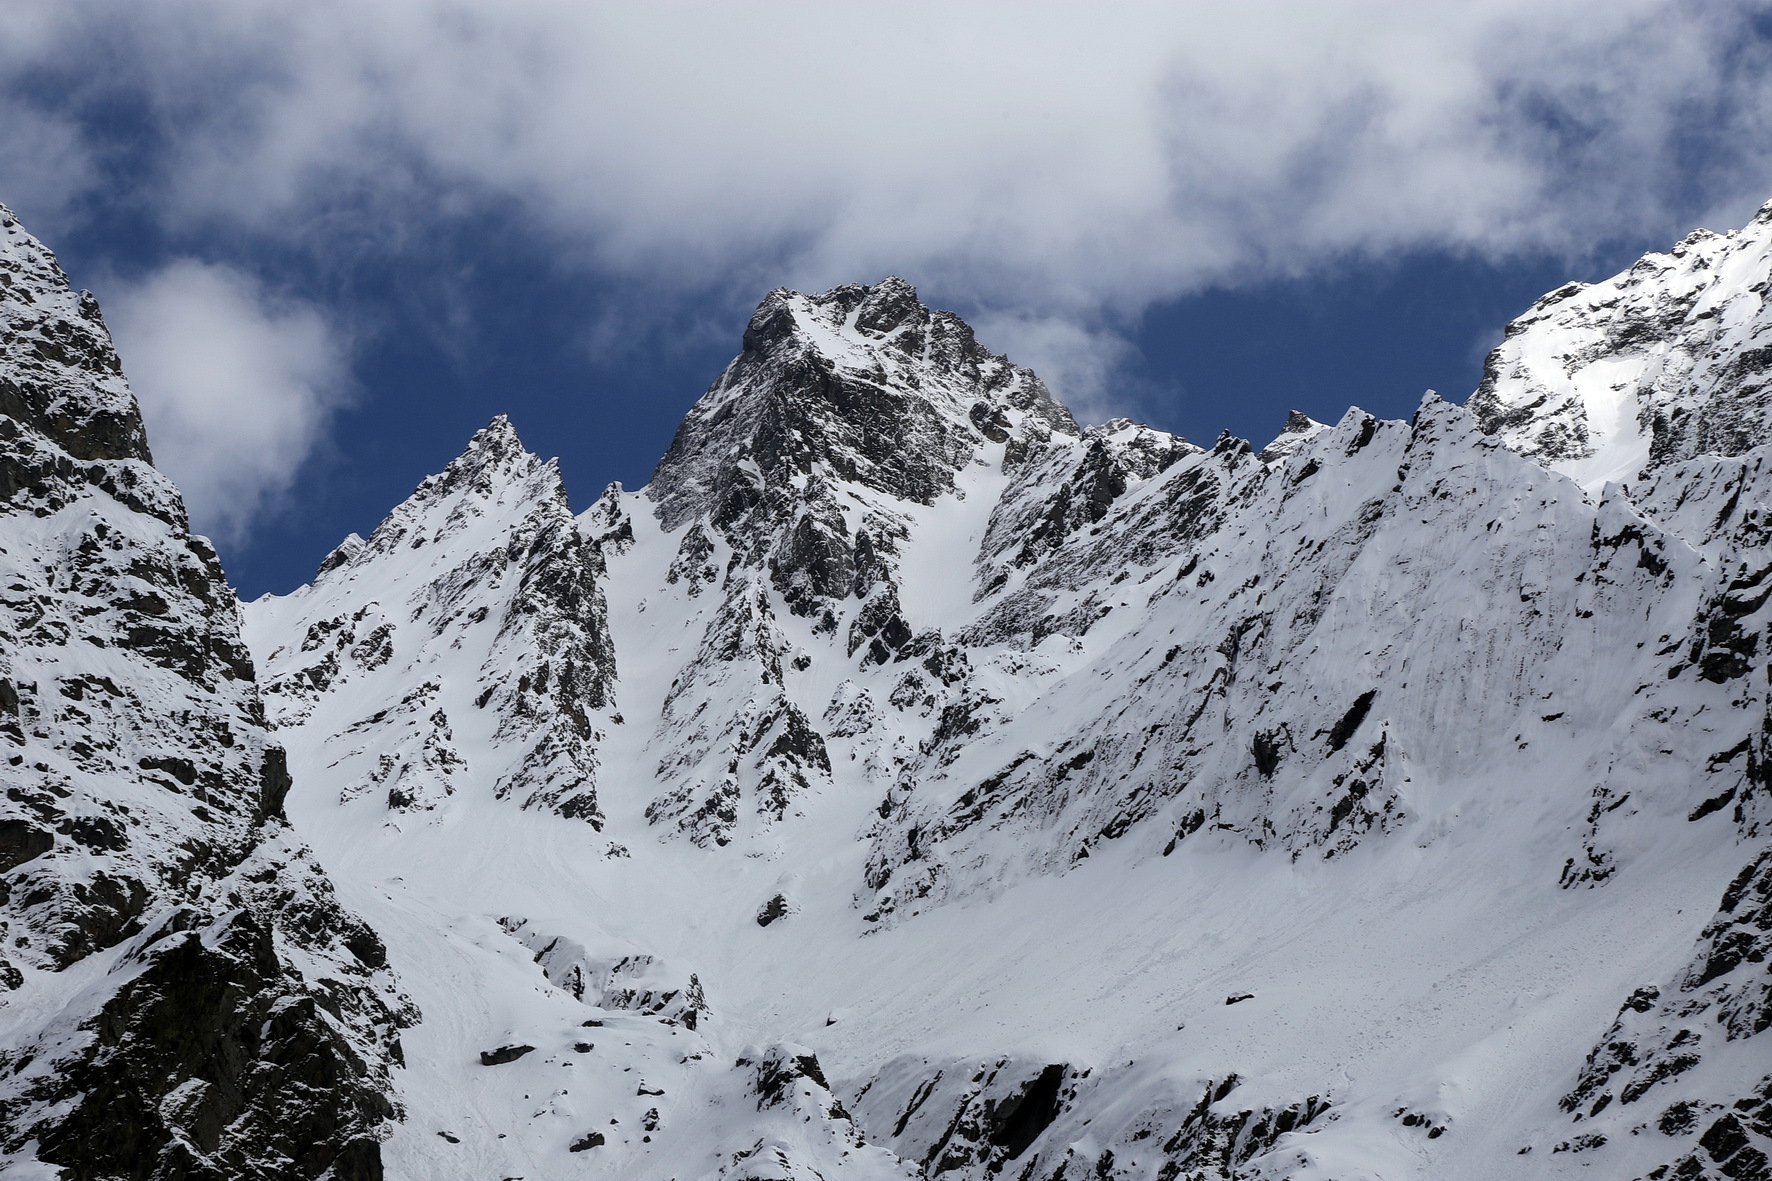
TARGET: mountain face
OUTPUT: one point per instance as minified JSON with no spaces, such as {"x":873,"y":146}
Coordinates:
{"x":1657,"y":365}
{"x":802,"y":473}
{"x":484,"y":559}
{"x":911,"y":783}
{"x":181,"y":994}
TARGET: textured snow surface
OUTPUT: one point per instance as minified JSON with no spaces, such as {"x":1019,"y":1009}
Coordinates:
{"x":911,"y":783}
{"x":980,"y":796}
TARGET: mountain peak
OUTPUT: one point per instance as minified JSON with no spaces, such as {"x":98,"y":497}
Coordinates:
{"x":495,"y":478}
{"x":63,"y":374}
{"x":863,"y":382}
{"x":1653,"y":366}
{"x":495,"y":455}
{"x":1300,"y":428}
{"x":494,"y":443}
{"x":873,"y":310}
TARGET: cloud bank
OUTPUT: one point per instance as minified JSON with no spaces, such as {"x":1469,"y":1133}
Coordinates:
{"x":1060,"y":156}
{"x":235,"y":384}
{"x":1049,"y":169}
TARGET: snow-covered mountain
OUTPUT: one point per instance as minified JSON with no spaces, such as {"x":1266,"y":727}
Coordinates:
{"x":1657,"y":365}
{"x":911,"y":783}
{"x":181,"y":995}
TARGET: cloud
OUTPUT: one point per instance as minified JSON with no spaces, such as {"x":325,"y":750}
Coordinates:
{"x":1025,"y":163}
{"x":1078,"y":362}
{"x":236,"y":385}
{"x":44,"y":168}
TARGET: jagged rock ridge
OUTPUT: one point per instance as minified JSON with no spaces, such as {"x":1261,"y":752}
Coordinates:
{"x":1659,"y":364}
{"x":989,"y":796}
{"x":485,"y":554}
{"x":183,"y":994}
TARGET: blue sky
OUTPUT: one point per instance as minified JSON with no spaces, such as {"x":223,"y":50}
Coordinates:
{"x":334,"y":239}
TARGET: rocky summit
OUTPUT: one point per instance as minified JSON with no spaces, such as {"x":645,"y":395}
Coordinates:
{"x":912,"y":783}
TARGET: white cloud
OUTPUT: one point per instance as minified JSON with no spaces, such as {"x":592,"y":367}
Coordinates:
{"x":235,"y":384}
{"x":1079,"y":363}
{"x":44,"y":168}
{"x":1028,"y":162}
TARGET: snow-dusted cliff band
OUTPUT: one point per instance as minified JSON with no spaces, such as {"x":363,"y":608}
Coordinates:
{"x":911,"y":783}
{"x":180,"y":993}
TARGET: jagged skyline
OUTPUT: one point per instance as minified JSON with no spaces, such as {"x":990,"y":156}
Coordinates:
{"x":871,"y":592}
{"x":911,"y":783}
{"x":893,"y":668}
{"x":384,"y":223}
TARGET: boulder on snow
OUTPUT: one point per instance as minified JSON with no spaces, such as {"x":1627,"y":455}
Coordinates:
{"x":503,"y":1055}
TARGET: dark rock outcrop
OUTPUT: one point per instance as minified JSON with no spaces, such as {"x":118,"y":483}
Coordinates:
{"x":233,"y":1020}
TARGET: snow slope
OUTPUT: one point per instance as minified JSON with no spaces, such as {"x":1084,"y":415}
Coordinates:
{"x":977,"y":795}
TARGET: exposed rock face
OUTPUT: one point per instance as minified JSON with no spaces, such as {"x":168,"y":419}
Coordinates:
{"x":473,"y":617}
{"x":625,"y":981}
{"x":1259,"y":709}
{"x":1020,"y":1118}
{"x":184,"y":995}
{"x":799,"y":1125}
{"x":1056,"y":804}
{"x":864,"y":386}
{"x":1650,"y":1060}
{"x":1069,"y":491}
{"x":1660,"y":364}
{"x":844,"y":413}
{"x":63,"y":380}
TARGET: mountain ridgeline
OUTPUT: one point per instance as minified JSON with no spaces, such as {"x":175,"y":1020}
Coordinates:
{"x":181,"y":993}
{"x":910,"y":782}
